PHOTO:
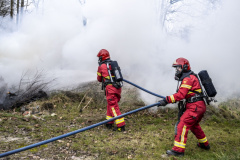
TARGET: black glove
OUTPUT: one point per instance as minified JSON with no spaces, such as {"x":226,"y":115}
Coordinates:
{"x":163,"y":102}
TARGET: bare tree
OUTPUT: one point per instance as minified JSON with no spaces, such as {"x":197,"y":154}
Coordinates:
{"x":17,"y":12}
{"x":12,"y":9}
{"x":15,"y":9}
{"x":22,"y":7}
{"x":174,"y":12}
{"x":4,"y":8}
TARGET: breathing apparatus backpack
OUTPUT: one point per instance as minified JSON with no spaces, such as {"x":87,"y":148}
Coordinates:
{"x":116,"y":71}
{"x":206,"y":83}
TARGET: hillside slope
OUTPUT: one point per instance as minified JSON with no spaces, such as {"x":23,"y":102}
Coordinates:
{"x":148,"y":134}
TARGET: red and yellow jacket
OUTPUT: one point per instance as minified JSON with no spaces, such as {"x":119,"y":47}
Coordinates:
{"x":102,"y":72}
{"x":102,"y":75}
{"x":189,"y":84}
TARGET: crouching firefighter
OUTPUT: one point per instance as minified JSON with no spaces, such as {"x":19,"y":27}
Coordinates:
{"x":109,"y":74}
{"x":191,"y":108}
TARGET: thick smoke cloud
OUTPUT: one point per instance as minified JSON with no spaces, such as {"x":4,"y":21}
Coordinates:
{"x":57,"y":41}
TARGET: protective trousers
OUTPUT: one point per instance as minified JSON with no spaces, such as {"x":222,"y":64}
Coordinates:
{"x":190,"y":121}
{"x":112,"y":106}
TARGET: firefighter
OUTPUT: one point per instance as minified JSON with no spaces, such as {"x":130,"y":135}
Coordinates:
{"x":112,"y":90}
{"x":191,"y":108}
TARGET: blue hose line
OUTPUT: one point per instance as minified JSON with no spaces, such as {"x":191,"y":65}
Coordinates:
{"x":74,"y":132}
{"x":143,"y":89}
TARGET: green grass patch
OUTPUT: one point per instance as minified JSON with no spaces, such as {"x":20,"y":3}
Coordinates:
{"x":147,"y":136}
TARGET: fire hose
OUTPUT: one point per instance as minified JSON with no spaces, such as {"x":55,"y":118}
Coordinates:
{"x":143,"y":89}
{"x":85,"y":128}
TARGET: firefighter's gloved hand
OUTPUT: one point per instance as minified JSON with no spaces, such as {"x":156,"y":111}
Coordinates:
{"x":163,"y":102}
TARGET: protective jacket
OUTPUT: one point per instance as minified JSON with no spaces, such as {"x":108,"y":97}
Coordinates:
{"x":113,"y":95}
{"x":193,"y":113}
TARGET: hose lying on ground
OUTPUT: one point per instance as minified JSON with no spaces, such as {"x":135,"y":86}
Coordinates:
{"x":74,"y":132}
{"x":85,"y":128}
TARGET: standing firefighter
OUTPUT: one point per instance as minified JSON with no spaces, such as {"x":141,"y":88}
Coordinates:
{"x":191,"y":108}
{"x":112,"y":89}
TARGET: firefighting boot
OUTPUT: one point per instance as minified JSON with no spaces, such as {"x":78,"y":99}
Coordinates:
{"x":119,"y":129}
{"x":109,"y":126}
{"x":174,"y":153}
{"x":201,"y":145}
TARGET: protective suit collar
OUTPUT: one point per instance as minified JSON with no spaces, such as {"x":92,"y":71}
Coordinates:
{"x":186,"y":74}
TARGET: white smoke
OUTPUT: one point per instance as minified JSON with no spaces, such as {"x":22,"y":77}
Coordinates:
{"x":57,"y":41}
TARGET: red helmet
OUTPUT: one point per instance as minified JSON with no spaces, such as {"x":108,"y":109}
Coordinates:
{"x":103,"y":54}
{"x":184,"y":63}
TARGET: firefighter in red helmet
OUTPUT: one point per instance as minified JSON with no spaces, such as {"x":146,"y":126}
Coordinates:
{"x":191,"y":108}
{"x":112,"y":91}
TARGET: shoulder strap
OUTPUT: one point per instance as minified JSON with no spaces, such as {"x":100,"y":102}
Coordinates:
{"x":197,"y":93}
{"x":201,"y":94}
{"x":109,"y":72}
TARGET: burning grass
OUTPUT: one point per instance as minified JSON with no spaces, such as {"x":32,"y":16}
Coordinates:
{"x":148,"y":134}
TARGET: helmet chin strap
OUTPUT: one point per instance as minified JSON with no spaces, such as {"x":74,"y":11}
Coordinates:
{"x":100,"y":60}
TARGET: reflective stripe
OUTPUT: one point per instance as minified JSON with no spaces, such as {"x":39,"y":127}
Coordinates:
{"x":172,"y":98}
{"x":178,"y":144}
{"x":197,"y":90}
{"x":108,"y":77}
{"x":186,"y":86}
{"x":183,"y":134}
{"x":181,"y":144}
{"x":109,"y":117}
{"x":115,"y":115}
{"x":114,"y":112}
{"x":99,"y":74}
{"x":202,"y":140}
{"x":119,"y":120}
